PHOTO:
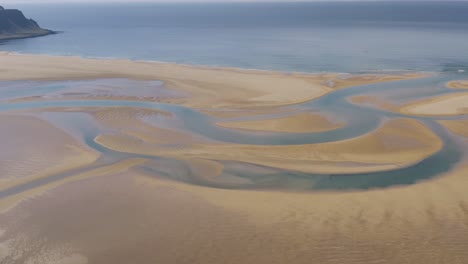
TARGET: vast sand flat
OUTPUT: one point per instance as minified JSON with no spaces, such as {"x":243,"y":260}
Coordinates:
{"x":296,"y":123}
{"x":459,"y":127}
{"x":445,"y":105}
{"x":138,"y":210}
{"x":463,"y":84}
{"x":398,"y":143}
{"x":134,"y":217}
{"x":32,"y":148}
{"x":208,"y":87}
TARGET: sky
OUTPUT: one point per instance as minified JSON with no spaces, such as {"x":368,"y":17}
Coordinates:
{"x":12,"y":2}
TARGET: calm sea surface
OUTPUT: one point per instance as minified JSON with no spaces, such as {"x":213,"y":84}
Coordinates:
{"x":310,"y":37}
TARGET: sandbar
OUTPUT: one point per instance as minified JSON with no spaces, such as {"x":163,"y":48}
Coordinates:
{"x":296,"y":123}
{"x":208,"y":87}
{"x":459,"y":127}
{"x":444,"y":105}
{"x":397,"y":143}
{"x":462,"y":84}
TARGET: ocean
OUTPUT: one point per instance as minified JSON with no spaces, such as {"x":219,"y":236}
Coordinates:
{"x":306,"y":37}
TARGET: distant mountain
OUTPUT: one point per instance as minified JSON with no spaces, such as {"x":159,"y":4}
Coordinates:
{"x":14,"y":25}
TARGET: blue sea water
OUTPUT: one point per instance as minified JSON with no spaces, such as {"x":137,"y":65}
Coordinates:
{"x":308,"y":37}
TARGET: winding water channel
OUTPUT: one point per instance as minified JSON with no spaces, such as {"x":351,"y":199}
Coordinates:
{"x":358,"y":119}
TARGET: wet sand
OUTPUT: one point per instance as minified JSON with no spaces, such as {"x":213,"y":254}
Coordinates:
{"x":130,"y":122}
{"x":133,"y":217}
{"x":296,"y":123}
{"x":13,"y":200}
{"x":398,"y":143}
{"x":32,"y":148}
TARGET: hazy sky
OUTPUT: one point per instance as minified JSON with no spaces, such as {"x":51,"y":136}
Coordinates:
{"x":12,"y":2}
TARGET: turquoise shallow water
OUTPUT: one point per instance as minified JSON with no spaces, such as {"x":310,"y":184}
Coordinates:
{"x":310,"y":37}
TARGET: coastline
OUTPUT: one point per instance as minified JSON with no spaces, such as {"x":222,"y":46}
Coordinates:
{"x":48,"y":32}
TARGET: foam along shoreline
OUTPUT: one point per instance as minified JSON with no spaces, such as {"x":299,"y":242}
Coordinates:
{"x":296,"y":123}
{"x":461,"y":84}
{"x":208,"y":87}
{"x":410,"y":141}
{"x":444,"y":105}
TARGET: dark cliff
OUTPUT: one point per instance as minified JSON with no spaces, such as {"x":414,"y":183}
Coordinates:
{"x":13,"y":25}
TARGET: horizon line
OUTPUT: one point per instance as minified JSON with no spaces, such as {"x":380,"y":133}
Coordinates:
{"x":208,"y":1}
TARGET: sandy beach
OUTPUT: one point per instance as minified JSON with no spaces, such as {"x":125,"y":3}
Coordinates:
{"x":209,"y":87}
